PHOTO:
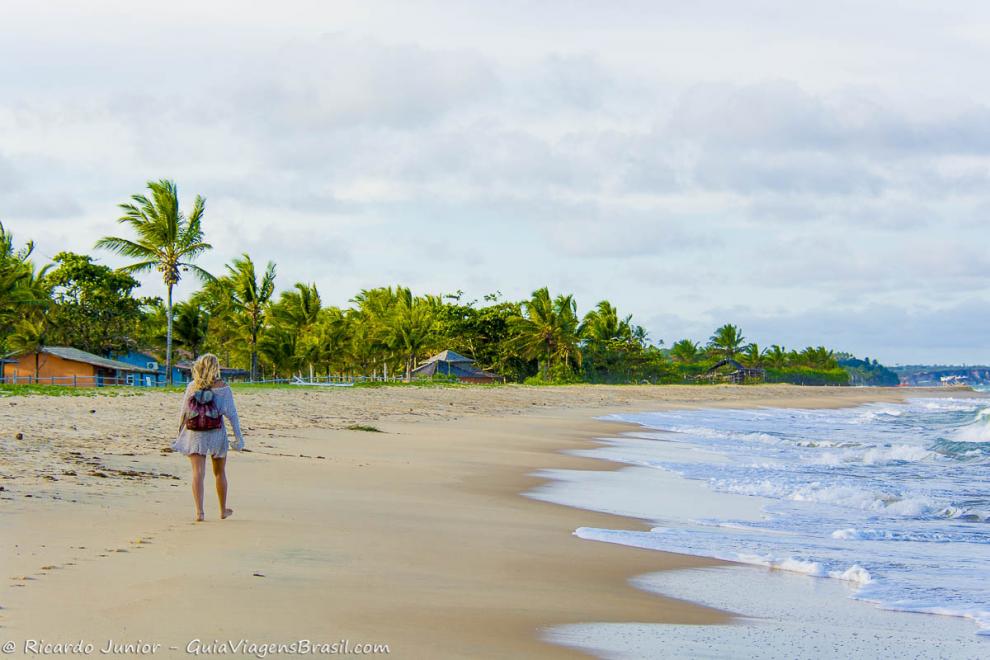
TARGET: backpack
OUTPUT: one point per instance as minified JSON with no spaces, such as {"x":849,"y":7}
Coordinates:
{"x":202,"y":413}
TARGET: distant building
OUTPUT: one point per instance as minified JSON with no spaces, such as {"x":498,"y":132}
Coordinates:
{"x":153,"y":364}
{"x":226,"y":373}
{"x":945,"y":375}
{"x":62,"y":365}
{"x":449,"y":363}
{"x":181,"y":371}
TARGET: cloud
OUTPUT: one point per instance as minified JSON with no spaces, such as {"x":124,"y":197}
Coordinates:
{"x":781,"y":115}
{"x":9,"y":178}
{"x":339,"y":82}
{"x":885,"y":332}
{"x":668,"y":162}
{"x":18,"y":199}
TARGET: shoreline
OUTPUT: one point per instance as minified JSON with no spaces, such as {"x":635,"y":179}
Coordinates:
{"x":848,"y":622}
{"x":419,"y":537}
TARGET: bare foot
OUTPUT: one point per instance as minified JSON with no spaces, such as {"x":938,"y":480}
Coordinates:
{"x":227,"y":513}
{"x":199,"y":517}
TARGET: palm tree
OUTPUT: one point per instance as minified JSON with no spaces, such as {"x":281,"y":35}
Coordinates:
{"x":20,"y":284}
{"x":819,"y":358}
{"x":192,"y":323}
{"x":364,"y":347}
{"x":29,"y":336}
{"x":250,"y":296}
{"x":752,"y":355}
{"x":295,"y":313}
{"x":223,"y":332}
{"x":639,"y":334}
{"x":300,"y":308}
{"x":12,"y":267}
{"x":547,"y":331}
{"x":685,"y":351}
{"x":776,"y":356}
{"x":410,"y":326}
{"x":603,"y":324}
{"x":372,"y":339}
{"x":727,"y":341}
{"x":26,"y":301}
{"x":279,"y":346}
{"x":167,"y":241}
{"x":324,"y":343}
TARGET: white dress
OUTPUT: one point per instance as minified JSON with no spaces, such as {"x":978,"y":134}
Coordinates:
{"x":213,"y":443}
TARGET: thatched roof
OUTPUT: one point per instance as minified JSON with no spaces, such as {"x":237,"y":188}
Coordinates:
{"x":449,"y":363}
{"x":449,"y":356}
{"x":738,"y":366}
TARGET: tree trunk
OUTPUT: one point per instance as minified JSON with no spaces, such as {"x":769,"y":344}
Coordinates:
{"x":168,"y":340}
{"x":254,"y":356}
{"x":409,"y":367}
{"x":37,"y":365}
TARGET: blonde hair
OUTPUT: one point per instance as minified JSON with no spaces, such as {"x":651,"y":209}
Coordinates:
{"x":206,"y":371}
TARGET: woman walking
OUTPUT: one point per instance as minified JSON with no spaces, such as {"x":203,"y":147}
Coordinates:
{"x":207,"y":401}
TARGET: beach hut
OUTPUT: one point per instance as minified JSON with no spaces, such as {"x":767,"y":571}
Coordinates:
{"x":449,"y":363}
{"x":730,"y":371}
{"x":62,"y":365}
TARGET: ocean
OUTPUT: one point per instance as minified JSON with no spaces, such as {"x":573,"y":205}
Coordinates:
{"x":884,"y":505}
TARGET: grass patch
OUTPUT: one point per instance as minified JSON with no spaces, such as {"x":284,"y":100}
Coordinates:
{"x":364,"y":427}
{"x":415,"y":383}
{"x":68,"y":390}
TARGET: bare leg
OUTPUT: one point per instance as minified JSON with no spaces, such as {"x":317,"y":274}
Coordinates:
{"x":220,"y":472}
{"x":198,"y":472}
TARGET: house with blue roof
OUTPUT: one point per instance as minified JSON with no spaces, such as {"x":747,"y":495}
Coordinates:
{"x":155,"y":366}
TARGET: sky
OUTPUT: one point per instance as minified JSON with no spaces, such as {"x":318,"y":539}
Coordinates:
{"x":816,"y":173}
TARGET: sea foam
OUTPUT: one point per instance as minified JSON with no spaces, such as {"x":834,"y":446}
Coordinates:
{"x":890,"y":500}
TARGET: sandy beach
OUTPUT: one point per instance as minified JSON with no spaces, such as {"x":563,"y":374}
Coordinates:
{"x":416,"y":536}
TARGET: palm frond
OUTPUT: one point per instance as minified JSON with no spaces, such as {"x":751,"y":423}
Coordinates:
{"x":126,"y":248}
{"x":196,"y":216}
{"x":202,"y":274}
{"x":193,"y":249}
{"x":140,"y":267}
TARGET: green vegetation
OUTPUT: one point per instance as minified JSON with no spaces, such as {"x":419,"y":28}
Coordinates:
{"x":167,"y":241}
{"x":728,"y":341}
{"x":867,"y":372}
{"x":382,"y":333}
{"x":363,"y":427}
{"x":63,"y":390}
